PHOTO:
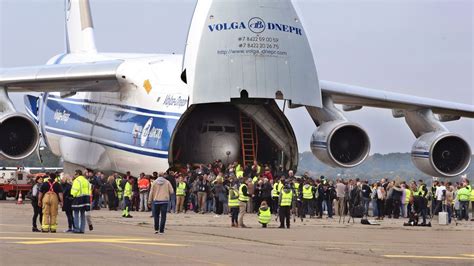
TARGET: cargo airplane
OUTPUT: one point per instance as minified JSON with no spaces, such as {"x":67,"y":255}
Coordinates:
{"x":147,"y":112}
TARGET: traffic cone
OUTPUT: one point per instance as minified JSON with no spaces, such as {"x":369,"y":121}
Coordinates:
{"x":20,"y":199}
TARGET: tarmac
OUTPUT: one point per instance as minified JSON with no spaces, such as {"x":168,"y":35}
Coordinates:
{"x":203,"y":239}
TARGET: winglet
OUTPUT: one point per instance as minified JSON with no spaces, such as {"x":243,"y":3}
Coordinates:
{"x":79,"y":27}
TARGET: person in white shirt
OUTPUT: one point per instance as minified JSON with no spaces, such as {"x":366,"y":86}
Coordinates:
{"x":440,"y":196}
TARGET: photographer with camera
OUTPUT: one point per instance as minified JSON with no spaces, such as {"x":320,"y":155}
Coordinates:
{"x":418,"y":207}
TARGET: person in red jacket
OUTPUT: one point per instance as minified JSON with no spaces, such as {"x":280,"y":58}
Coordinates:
{"x":268,"y":173}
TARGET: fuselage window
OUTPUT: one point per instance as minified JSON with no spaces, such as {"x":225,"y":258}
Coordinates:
{"x":215,"y":128}
{"x":230,"y":129}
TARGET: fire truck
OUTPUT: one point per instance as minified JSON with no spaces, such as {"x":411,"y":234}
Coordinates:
{"x":14,"y":180}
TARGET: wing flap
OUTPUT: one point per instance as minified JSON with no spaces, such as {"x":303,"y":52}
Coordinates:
{"x":96,"y":76}
{"x":357,"y":96}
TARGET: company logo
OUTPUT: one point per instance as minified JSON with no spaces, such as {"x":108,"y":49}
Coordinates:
{"x":257,"y":25}
{"x":227,"y":26}
{"x":61,"y":116}
{"x":172,"y":100}
{"x":156,"y":133}
{"x":146,"y":131}
{"x":143,"y":133}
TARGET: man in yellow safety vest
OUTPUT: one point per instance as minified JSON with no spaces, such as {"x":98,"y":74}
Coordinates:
{"x":233,"y":202}
{"x":81,"y":192}
{"x":285,"y":200}
{"x":308,"y":196}
{"x":180,"y":194}
{"x":464,"y":196}
{"x":243,"y":200}
{"x":127,"y":199}
{"x":406,"y":203}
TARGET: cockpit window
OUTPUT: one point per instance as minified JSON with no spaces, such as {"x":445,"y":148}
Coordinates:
{"x":229,"y":129}
{"x":215,"y":128}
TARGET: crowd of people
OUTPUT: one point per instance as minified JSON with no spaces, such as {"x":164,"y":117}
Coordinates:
{"x":236,"y":190}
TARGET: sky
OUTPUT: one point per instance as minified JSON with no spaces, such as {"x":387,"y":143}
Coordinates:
{"x":423,"y":48}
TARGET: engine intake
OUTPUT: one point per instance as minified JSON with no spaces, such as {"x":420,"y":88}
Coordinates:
{"x":441,"y":154}
{"x":340,"y":144}
{"x":19,"y":136}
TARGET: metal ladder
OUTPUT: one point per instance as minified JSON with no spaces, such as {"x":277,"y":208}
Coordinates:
{"x":248,"y":139}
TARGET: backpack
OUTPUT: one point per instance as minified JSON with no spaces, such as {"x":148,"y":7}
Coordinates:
{"x":357,"y":211}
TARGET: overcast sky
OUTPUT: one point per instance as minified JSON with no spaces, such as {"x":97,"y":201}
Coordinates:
{"x":419,"y":47}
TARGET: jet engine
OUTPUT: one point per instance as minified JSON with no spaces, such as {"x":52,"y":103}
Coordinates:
{"x":441,"y":154}
{"x":340,"y":144}
{"x":19,"y":136}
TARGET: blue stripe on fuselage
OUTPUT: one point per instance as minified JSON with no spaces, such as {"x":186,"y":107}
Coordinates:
{"x":120,"y":147}
{"x":113,"y":125}
{"x":133,"y":108}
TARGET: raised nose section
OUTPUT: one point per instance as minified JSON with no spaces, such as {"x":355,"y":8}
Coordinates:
{"x":253,"y":47}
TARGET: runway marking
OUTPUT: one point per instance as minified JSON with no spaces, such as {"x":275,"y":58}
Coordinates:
{"x":428,"y":257}
{"x":134,"y":241}
{"x":16,"y":225}
{"x":59,"y":233}
{"x":352,"y":249}
{"x":166,"y":255}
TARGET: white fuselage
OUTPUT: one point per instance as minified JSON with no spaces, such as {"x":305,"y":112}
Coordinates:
{"x":128,"y":130}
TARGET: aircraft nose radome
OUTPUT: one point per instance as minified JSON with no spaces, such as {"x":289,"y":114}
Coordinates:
{"x":223,"y":144}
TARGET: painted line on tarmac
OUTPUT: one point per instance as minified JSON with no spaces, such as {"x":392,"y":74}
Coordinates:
{"x":134,"y":241}
{"x":25,"y":238}
{"x":16,"y":225}
{"x":218,"y":242}
{"x":166,"y":255}
{"x":427,"y":257}
{"x":352,"y":249}
{"x":73,"y":235}
{"x":118,"y":241}
{"x":230,"y":237}
{"x":75,"y":239}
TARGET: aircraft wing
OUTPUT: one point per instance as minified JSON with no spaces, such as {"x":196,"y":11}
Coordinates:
{"x":96,"y":76}
{"x":356,"y":97}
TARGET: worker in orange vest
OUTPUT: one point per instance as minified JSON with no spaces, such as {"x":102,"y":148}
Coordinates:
{"x":144,"y":188}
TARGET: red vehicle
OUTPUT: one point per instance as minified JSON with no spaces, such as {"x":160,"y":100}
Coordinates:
{"x":13,"y":181}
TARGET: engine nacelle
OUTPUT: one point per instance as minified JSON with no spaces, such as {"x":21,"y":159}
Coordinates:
{"x":19,"y":136}
{"x":340,"y":144}
{"x":441,"y":154}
